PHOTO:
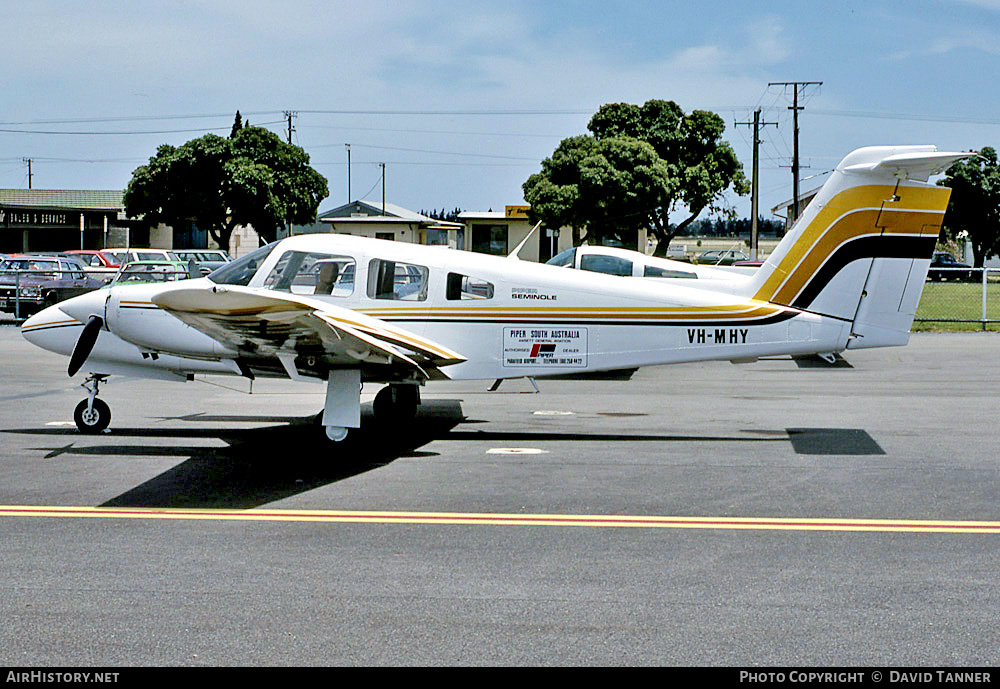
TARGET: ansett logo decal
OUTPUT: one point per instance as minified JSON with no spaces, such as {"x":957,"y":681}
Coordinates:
{"x":542,"y":350}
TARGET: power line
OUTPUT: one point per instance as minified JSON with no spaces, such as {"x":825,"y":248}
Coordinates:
{"x":424,"y":150}
{"x":871,"y":114}
{"x":133,"y":118}
{"x":448,"y":112}
{"x":126,"y":133}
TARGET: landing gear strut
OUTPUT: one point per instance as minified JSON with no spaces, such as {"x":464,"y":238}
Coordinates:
{"x":396,"y":404}
{"x":92,"y":415}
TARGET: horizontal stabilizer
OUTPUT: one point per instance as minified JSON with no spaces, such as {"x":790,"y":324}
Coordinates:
{"x":919,"y":164}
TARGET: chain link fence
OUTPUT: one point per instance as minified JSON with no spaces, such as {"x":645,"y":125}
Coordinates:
{"x":16,"y":299}
{"x":960,"y":299}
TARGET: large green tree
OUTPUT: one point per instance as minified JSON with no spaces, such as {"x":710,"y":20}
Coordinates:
{"x":974,"y":207}
{"x":638,"y":165}
{"x":252,"y":178}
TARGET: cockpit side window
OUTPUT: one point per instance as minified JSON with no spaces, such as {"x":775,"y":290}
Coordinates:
{"x":398,"y":281}
{"x":461,"y":287}
{"x":313,"y":273}
{"x":242,"y":270}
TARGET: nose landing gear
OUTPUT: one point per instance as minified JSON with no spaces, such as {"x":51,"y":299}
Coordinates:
{"x":92,"y":415}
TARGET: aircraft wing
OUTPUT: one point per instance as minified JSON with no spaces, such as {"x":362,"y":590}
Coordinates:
{"x":261,"y":324}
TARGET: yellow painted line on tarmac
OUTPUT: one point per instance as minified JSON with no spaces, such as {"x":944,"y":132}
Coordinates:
{"x":487,"y":519}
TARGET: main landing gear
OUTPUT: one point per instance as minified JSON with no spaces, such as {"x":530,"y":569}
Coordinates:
{"x":395,"y":407}
{"x":92,"y":415}
{"x":396,"y":404}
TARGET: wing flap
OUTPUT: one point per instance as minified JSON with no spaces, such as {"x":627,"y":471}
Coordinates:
{"x":261,"y":323}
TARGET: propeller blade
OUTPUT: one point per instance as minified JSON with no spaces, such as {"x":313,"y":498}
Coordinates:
{"x":88,"y":338}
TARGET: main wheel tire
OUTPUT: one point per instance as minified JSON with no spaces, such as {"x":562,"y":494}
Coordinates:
{"x":395,"y":404}
{"x":93,"y":421}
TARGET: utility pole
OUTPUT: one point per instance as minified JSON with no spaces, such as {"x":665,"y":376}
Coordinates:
{"x":382,"y":165}
{"x":757,"y":124}
{"x":795,"y":134}
{"x":348,"y":146}
{"x":28,"y":161}
{"x":289,"y":114}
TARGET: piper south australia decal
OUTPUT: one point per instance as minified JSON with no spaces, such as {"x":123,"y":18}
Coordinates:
{"x":544,"y":347}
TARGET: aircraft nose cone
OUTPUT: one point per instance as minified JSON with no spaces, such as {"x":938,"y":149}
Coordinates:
{"x":52,"y":329}
{"x":86,"y":305}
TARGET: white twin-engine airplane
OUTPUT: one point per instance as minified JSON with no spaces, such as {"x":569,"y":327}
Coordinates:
{"x":350,"y":310}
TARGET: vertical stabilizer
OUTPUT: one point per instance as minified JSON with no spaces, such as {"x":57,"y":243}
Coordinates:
{"x":861,"y":249}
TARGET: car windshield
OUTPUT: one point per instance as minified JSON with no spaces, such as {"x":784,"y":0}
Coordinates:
{"x":140,"y":272}
{"x":31,"y":264}
{"x":242,"y":270}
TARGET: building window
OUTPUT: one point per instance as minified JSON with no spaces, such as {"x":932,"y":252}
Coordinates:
{"x":489,"y":239}
{"x":437,"y":237}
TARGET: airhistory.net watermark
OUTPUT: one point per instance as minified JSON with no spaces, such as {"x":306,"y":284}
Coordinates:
{"x":43,"y":676}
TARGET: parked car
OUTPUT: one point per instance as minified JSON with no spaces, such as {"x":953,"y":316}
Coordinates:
{"x":30,"y":283}
{"x":124,"y":256}
{"x":154,"y":271}
{"x":101,"y":264}
{"x":206,"y":259}
{"x":721,"y":257}
{"x":948,"y":268}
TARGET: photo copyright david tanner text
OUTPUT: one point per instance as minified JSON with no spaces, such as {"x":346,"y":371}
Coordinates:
{"x":891,"y":677}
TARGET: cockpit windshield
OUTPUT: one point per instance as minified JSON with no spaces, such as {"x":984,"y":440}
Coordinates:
{"x":242,"y":270}
{"x":565,"y":259}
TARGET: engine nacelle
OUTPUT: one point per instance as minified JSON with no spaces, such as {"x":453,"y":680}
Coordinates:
{"x":131,"y":315}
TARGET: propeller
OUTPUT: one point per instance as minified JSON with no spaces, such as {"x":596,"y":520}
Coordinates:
{"x":88,"y":338}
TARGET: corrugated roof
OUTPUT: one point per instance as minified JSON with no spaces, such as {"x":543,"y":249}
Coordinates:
{"x":64,"y":199}
{"x":393,"y":214}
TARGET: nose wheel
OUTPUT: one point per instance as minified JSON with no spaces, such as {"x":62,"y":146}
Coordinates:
{"x":92,"y":415}
{"x":92,"y":418}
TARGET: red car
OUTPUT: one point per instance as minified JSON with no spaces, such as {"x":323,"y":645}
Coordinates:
{"x":99,"y":264}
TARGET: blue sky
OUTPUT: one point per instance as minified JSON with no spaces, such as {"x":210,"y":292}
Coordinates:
{"x":91,"y":89}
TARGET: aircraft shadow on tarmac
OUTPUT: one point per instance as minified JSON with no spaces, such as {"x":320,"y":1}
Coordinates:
{"x":266,"y":464}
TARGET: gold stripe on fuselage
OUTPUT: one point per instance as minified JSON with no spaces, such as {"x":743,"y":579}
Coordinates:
{"x":850,"y":214}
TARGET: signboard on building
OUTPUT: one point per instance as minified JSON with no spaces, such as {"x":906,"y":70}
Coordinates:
{"x":517,"y":212}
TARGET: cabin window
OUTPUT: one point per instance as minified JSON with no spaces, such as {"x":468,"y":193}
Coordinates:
{"x":313,"y":273}
{"x":397,"y":281}
{"x":610,"y":265}
{"x":655,"y":272}
{"x":462,"y":287}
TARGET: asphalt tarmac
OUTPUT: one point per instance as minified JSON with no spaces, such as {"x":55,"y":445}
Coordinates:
{"x":776,"y":513}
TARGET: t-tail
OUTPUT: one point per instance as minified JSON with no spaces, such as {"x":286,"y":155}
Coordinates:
{"x":861,"y":249}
